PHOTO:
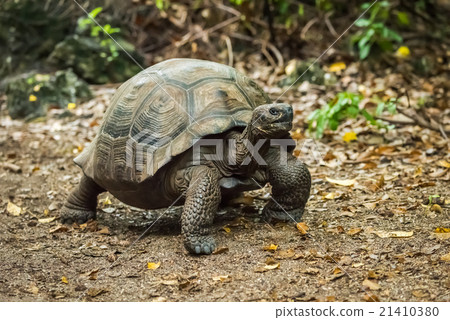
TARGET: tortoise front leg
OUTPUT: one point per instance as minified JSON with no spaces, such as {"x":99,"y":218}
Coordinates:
{"x":82,"y":202}
{"x":202,"y":200}
{"x":291,"y":184}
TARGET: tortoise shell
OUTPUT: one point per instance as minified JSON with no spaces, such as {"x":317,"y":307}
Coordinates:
{"x":161,"y":111}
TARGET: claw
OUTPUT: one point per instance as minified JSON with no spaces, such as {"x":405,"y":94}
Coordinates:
{"x":69,"y":215}
{"x":200,"y":244}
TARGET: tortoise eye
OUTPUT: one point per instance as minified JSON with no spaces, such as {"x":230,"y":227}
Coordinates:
{"x":273,"y":111}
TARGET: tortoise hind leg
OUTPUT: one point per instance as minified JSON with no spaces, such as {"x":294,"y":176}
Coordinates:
{"x":202,"y":200}
{"x":82,"y":202}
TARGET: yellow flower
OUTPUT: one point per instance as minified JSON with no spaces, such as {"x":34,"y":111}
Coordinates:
{"x":32,"y":98}
{"x":336,"y":67}
{"x":349,"y":136}
{"x":403,"y":52}
{"x":71,"y":106}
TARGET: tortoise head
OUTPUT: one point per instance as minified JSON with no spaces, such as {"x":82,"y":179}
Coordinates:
{"x":272,"y":120}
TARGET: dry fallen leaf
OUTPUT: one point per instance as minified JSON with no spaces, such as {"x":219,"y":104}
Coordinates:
{"x":285,"y":254}
{"x":311,"y":271}
{"x":46,"y":220}
{"x":302,"y":227}
{"x":370,"y":297}
{"x":153,"y":265}
{"x":369,"y":165}
{"x":106,"y":202}
{"x":329,"y":196}
{"x":436,"y":208}
{"x":64,"y":280}
{"x":370,"y":205}
{"x":418,"y":172}
{"x":394,"y":234}
{"x":222,"y":278}
{"x":371,"y":285}
{"x":221,"y":250}
{"x":354,"y":231}
{"x":272,"y":247}
{"x":93,"y":292}
{"x":60,"y":228}
{"x":93,"y":274}
{"x":337,"y":270}
{"x":345,"y":183}
{"x":270,"y":265}
{"x":443,"y":163}
{"x":13,"y":209}
{"x":419,"y":293}
{"x":33,"y":289}
{"x":103,"y":230}
{"x":446,"y":257}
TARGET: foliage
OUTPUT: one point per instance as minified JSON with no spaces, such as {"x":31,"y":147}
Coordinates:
{"x":374,"y":31}
{"x":99,"y":33}
{"x":93,"y":54}
{"x":346,"y":105}
{"x":29,"y":96}
{"x":29,"y":30}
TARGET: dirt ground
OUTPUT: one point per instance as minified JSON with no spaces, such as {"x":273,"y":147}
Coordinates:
{"x":383,"y":183}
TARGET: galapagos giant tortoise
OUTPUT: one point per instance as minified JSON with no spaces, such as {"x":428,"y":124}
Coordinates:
{"x":193,"y":132}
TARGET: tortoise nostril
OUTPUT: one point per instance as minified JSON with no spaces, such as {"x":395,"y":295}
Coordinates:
{"x":274,"y":111}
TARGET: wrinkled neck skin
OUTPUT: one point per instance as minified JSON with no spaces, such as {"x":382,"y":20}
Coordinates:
{"x":235,"y":162}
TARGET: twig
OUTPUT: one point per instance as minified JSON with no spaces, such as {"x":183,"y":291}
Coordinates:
{"x":228,"y":9}
{"x":267,"y":54}
{"x":187,"y":38}
{"x":307,"y":27}
{"x":277,"y":54}
{"x":393,"y":121}
{"x":229,"y":49}
{"x":422,"y":119}
{"x":330,"y":26}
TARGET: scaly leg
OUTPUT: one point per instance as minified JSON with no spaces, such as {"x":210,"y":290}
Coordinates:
{"x":82,"y":202}
{"x":202,"y":200}
{"x":291,"y":184}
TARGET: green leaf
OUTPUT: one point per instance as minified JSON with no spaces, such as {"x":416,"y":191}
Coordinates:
{"x":380,"y":108}
{"x":403,"y":18}
{"x":369,"y":117}
{"x":95,"y":12}
{"x":362,"y":23}
{"x":366,"y":38}
{"x":301,"y":10}
{"x":395,"y":36}
{"x":352,"y":111}
{"x":320,"y":126}
{"x":333,"y":123}
{"x":364,"y":52}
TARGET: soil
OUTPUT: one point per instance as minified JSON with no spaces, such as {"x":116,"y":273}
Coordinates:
{"x":345,"y":255}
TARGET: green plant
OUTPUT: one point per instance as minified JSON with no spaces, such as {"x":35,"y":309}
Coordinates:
{"x":93,"y":54}
{"x":30,"y":95}
{"x":374,"y":31}
{"x":162,"y":5}
{"x":100,"y":34}
{"x":284,"y":11}
{"x":347,"y":105}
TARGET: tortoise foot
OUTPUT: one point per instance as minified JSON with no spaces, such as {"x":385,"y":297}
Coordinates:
{"x":272,"y":213}
{"x":71,"y":215}
{"x":200,"y":244}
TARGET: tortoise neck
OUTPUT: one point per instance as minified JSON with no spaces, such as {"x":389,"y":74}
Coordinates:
{"x":249,"y":134}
